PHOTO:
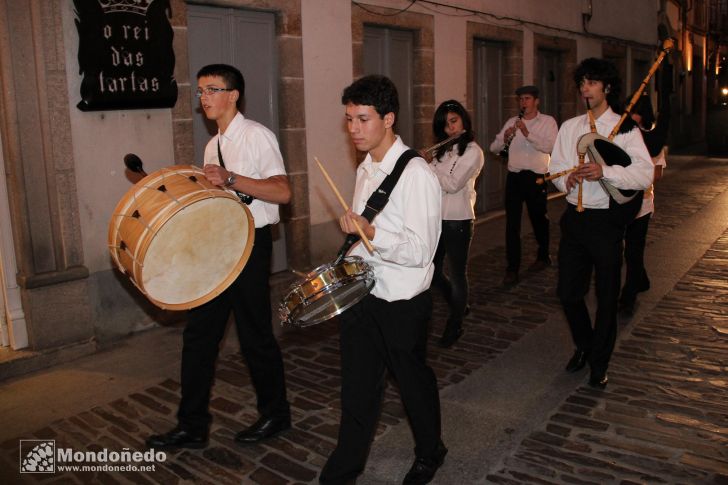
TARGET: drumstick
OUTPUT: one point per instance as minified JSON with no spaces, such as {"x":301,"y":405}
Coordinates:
{"x":343,"y":203}
{"x":300,"y":274}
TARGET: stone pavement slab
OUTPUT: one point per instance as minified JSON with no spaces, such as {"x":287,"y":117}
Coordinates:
{"x":510,"y":413}
{"x":664,"y":415}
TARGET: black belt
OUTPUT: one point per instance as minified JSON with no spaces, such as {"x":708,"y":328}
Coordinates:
{"x":456,"y":223}
{"x":527,"y":172}
{"x":572,"y":207}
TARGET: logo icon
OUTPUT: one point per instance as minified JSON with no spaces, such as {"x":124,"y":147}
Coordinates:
{"x":138,"y":7}
{"x":37,"y":456}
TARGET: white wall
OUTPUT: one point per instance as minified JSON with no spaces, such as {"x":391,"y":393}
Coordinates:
{"x":450,"y":59}
{"x":13,"y":331}
{"x":588,"y":48}
{"x":327,"y":66}
{"x":625,"y":19}
{"x":100,"y":141}
{"x":327,"y":69}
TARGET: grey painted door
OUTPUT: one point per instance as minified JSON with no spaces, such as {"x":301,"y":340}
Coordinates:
{"x":488,"y":122}
{"x":389,"y":52}
{"x":246,"y":40}
{"x":549,"y":82}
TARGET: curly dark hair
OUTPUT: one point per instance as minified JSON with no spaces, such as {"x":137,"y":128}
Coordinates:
{"x":232,"y":77}
{"x":373,"y":90}
{"x":440,"y":120}
{"x":601,"y":70}
{"x":643,"y":107}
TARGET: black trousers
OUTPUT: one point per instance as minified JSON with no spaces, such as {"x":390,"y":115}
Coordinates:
{"x":522,"y":187}
{"x":591,"y":240}
{"x":454,"y":245}
{"x":249,"y":299}
{"x":636,"y":279}
{"x":377,"y":335}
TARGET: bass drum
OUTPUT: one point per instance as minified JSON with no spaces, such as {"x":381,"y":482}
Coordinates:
{"x":181,"y":240}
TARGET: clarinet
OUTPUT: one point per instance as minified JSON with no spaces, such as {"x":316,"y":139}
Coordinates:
{"x":504,"y":152}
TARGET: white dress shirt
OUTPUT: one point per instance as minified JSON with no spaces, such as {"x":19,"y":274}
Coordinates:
{"x":530,"y":153}
{"x":636,"y":176}
{"x":648,"y":202}
{"x":408,"y":228}
{"x":251,"y":150}
{"x":457,"y":176}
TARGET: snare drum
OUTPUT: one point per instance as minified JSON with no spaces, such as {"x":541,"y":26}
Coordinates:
{"x":326,"y":292}
{"x":181,"y":240}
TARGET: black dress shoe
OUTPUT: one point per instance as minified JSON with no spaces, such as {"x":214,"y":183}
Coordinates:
{"x":627,"y":304}
{"x":177,"y":438}
{"x":626,"y":309}
{"x":510,"y":279}
{"x":263,"y":428}
{"x":539,"y":265}
{"x":577,"y":361}
{"x":423,"y":469}
{"x":598,"y":380}
{"x":450,"y":336}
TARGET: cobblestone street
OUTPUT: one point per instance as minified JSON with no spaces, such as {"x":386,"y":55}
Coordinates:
{"x":662,"y":419}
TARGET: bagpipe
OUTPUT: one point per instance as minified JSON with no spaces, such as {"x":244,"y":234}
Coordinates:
{"x":602,"y":150}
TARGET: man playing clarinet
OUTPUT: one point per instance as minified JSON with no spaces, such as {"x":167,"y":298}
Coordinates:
{"x":530,"y":137}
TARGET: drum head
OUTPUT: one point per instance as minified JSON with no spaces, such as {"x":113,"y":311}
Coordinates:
{"x":198,"y":253}
{"x":332,"y":303}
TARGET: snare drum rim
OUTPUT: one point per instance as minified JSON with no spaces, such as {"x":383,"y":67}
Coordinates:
{"x":294,"y":317}
{"x":297,"y":300}
{"x":301,"y":295}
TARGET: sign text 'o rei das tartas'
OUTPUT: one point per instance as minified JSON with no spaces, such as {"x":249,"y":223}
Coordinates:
{"x":125,"y":54}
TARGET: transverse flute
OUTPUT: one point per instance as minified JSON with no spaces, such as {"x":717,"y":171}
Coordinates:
{"x":443,"y":142}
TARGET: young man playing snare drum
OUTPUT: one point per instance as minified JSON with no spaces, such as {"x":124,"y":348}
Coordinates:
{"x":243,"y":156}
{"x":387,"y":330}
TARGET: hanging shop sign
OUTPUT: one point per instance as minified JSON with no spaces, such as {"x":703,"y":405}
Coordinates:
{"x":125,"y":54}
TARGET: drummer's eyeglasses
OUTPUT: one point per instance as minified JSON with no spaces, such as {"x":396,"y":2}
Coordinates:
{"x":209,"y":91}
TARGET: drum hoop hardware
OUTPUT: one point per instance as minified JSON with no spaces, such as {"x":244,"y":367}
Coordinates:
{"x":311,"y":289}
{"x":159,"y":211}
{"x":294,"y":321}
{"x":367,"y":278}
{"x":333,"y":286}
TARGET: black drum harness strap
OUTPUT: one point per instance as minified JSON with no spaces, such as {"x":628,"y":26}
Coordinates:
{"x":244,"y":198}
{"x":379,"y":198}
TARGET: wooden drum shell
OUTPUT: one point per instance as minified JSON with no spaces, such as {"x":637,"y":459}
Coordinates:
{"x":181,"y":240}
